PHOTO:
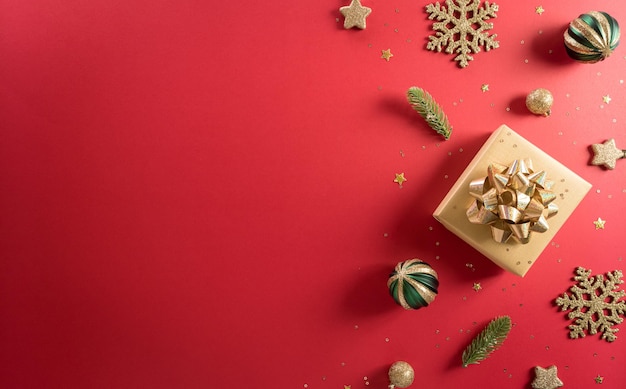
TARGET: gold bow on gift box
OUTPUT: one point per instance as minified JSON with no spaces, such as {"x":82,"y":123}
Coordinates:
{"x":513,"y":200}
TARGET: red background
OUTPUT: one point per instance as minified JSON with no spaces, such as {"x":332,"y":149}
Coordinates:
{"x":200,"y":195}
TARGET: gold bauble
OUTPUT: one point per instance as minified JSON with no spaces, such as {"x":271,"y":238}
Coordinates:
{"x":401,"y":375}
{"x":540,"y":102}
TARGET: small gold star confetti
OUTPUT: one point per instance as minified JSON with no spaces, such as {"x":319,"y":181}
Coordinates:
{"x":355,"y":15}
{"x":606,"y":99}
{"x":386,"y":55}
{"x":599,"y":224}
{"x":599,"y":379}
{"x":606,"y":154}
{"x":546,"y":378}
{"x":347,"y":386}
{"x":477,"y":286}
{"x":484,"y":87}
{"x":539,"y":10}
{"x":400,"y":179}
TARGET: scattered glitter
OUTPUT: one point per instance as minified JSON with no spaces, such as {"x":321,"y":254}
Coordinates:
{"x":599,"y":224}
{"x":437,"y":331}
{"x":356,"y":326}
{"x":395,"y":30}
{"x":365,"y":378}
{"x":540,"y":32}
{"x":386,"y":235}
{"x":402,"y":153}
{"x":508,"y":109}
{"x":305,"y":385}
{"x":597,"y":190}
{"x":567,"y":95}
{"x":437,"y":257}
{"x":464,"y":298}
{"x":547,"y":347}
{"x":400,"y":179}
{"x":430,"y":228}
{"x":550,"y":51}
{"x":539,"y":10}
{"x":446,"y":176}
{"x":599,"y":379}
{"x":484,"y":87}
{"x":606,"y":99}
{"x":477,"y":286}
{"x":436,"y":243}
{"x":386,"y":54}
{"x":449,"y":153}
{"x":526,"y":61}
{"x":423,"y":147}
{"x":447,"y":338}
{"x":343,"y":363}
{"x":522,"y":42}
{"x":577,"y":108}
{"x":598,"y":74}
{"x":460,"y":150}
{"x":387,"y":340}
{"x":560,"y":133}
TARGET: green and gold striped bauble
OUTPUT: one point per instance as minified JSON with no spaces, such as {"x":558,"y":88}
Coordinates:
{"x":413,"y":284}
{"x":592,"y":37}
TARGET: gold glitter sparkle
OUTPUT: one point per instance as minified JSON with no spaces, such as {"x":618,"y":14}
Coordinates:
{"x":539,"y":10}
{"x":386,"y":54}
{"x":400,"y":179}
{"x":546,"y":378}
{"x":477,"y":286}
{"x":606,"y":154}
{"x":606,"y":99}
{"x":355,"y":15}
{"x":599,"y":379}
{"x":484,"y":87}
{"x":599,"y":224}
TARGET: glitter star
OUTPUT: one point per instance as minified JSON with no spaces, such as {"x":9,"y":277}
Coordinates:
{"x":347,"y":386}
{"x":539,"y":10}
{"x":484,"y":87}
{"x":599,"y":224}
{"x":386,"y":55}
{"x":599,"y":379}
{"x":400,"y":179}
{"x":606,"y":154}
{"x":477,"y":286}
{"x":546,"y":378}
{"x":355,"y":15}
{"x":606,"y":99}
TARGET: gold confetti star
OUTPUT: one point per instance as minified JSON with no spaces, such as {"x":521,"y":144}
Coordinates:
{"x":484,"y":87}
{"x":607,"y":154}
{"x":599,"y":224}
{"x":355,"y":15}
{"x":386,"y":55}
{"x":400,"y":179}
{"x":606,"y":99}
{"x":477,"y":286}
{"x":539,"y":10}
{"x":599,"y":379}
{"x":347,"y":386}
{"x":546,"y":378}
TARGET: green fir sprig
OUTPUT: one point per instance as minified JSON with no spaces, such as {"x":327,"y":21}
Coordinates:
{"x":427,"y":107}
{"x":489,"y":340}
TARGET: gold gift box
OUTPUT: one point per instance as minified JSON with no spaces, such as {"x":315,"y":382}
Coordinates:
{"x":505,"y":146}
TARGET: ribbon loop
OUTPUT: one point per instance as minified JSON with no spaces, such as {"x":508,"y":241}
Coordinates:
{"x":513,"y":200}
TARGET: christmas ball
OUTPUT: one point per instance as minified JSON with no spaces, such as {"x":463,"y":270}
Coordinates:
{"x":539,"y":102}
{"x":401,"y":375}
{"x":591,"y":37}
{"x":413,"y":284}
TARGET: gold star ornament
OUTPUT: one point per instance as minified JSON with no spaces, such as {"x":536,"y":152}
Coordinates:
{"x":546,"y":378}
{"x":606,"y":154}
{"x":355,"y":15}
{"x":400,"y":179}
{"x":386,"y":54}
{"x":599,"y":224}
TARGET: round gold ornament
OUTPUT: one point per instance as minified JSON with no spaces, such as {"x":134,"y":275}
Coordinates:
{"x":401,"y":375}
{"x":540,"y":102}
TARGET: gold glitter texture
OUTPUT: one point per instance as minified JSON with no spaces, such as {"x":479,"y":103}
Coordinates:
{"x":386,"y":54}
{"x":599,"y":224}
{"x":595,"y":304}
{"x":462,"y":28}
{"x":540,"y":102}
{"x":400,"y":179}
{"x":401,"y":375}
{"x":607,"y":154}
{"x":355,"y":15}
{"x":546,"y":378}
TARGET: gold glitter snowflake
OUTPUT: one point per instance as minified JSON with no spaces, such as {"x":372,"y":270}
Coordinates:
{"x":595,"y":304}
{"x":461,"y":28}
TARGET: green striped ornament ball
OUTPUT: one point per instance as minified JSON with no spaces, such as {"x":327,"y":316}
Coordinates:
{"x":413,"y":284}
{"x":591,"y":37}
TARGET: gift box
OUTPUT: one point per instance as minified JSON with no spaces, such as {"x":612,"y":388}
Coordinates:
{"x":511,"y":200}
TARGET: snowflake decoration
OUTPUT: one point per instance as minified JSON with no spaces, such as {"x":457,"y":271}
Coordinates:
{"x":461,"y":28}
{"x":595,"y":304}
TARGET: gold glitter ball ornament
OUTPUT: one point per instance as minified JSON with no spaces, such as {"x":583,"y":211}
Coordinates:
{"x":401,"y":375}
{"x":540,"y":102}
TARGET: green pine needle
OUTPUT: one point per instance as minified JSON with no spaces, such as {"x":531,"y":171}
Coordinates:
{"x":489,"y":340}
{"x":427,"y":107}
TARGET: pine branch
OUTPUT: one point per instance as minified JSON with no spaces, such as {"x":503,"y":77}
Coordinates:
{"x":489,"y":340}
{"x":427,"y":107}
